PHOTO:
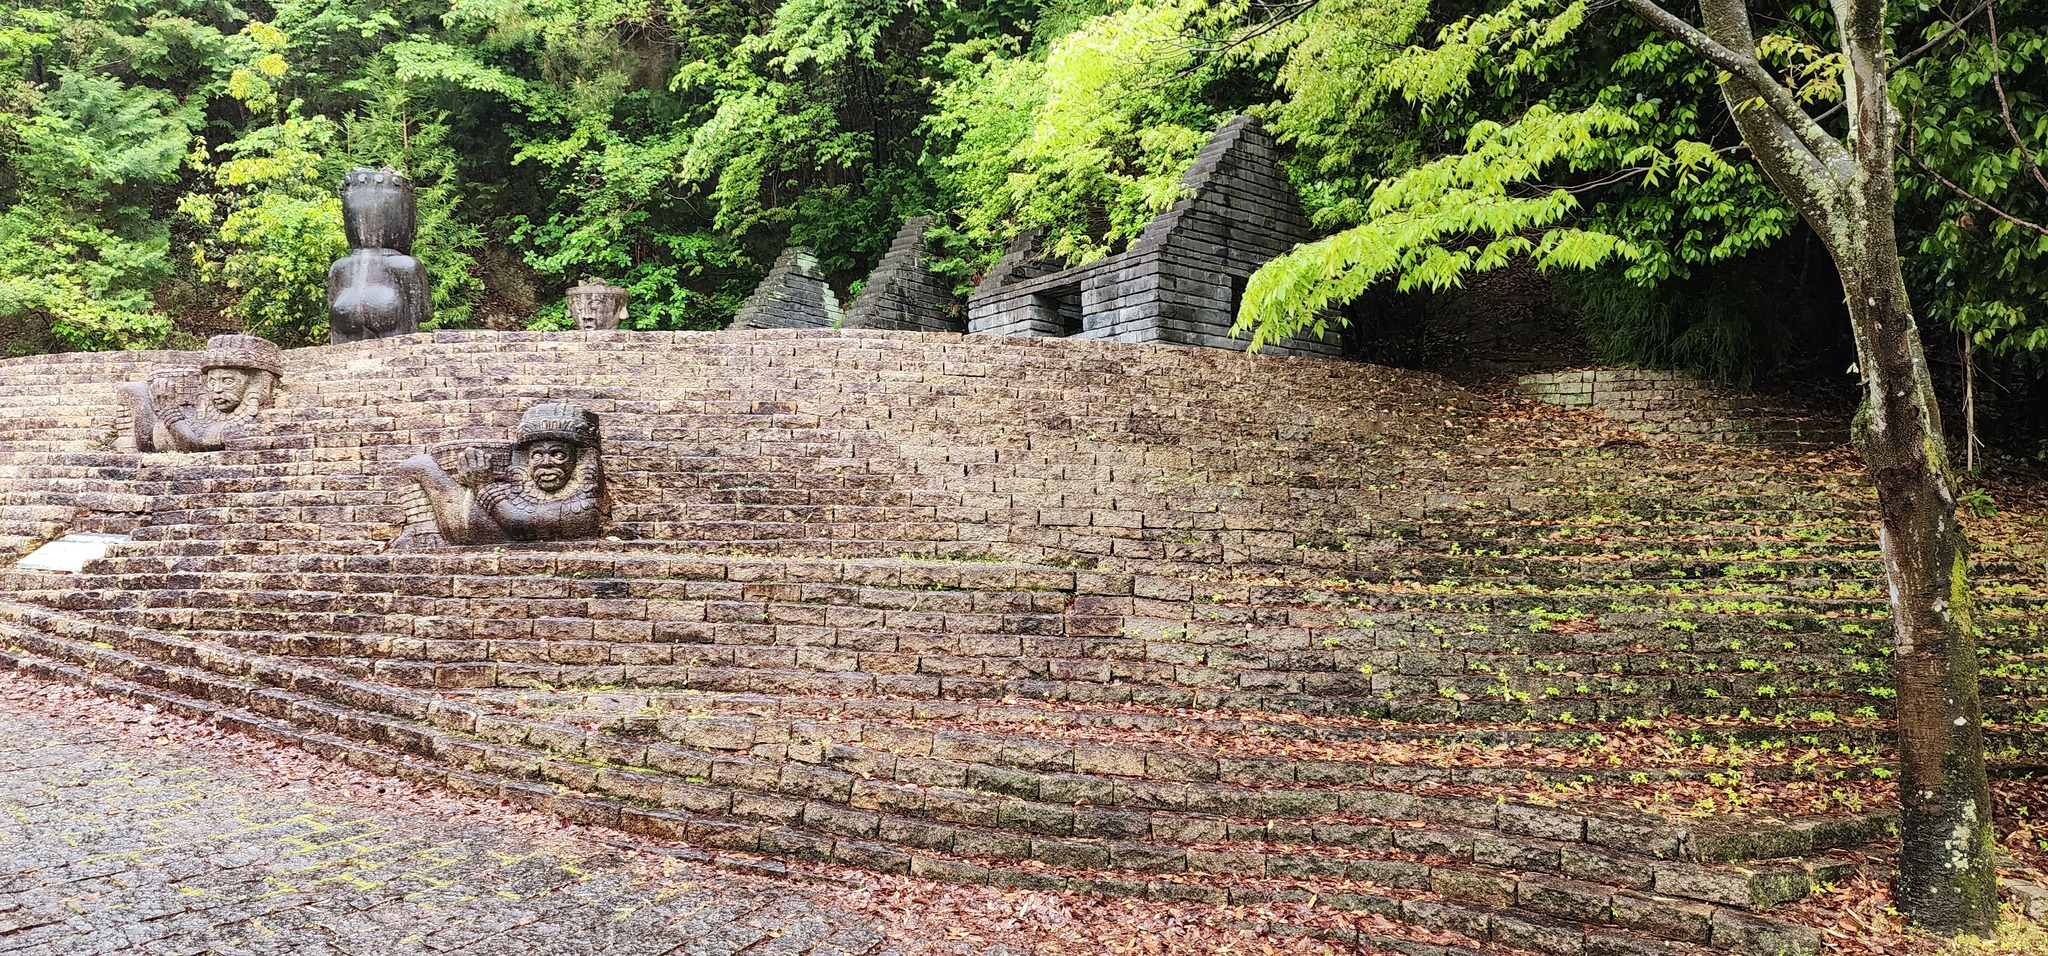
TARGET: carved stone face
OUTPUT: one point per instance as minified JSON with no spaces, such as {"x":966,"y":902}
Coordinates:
{"x":596,"y":305}
{"x":587,"y":310}
{"x":550,"y":463}
{"x":226,"y":387}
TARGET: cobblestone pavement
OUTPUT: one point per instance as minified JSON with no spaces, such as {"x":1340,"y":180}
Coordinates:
{"x":109,"y":844}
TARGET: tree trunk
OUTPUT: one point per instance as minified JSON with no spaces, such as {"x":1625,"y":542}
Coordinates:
{"x":1947,"y":882}
{"x":1948,"y":878}
{"x":1846,"y":192}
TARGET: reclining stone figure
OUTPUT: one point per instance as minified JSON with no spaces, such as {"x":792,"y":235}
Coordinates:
{"x":199,"y":409}
{"x":546,"y":485}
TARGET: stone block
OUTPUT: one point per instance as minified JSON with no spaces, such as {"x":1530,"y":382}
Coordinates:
{"x":1761,"y":936}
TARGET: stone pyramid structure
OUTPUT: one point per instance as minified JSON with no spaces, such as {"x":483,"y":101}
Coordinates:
{"x":794,"y":295}
{"x":1451,"y":676}
{"x":1182,"y":280}
{"x":902,"y":293}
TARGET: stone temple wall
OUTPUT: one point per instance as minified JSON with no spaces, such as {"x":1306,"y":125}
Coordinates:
{"x":818,"y":439}
{"x":1030,"y":612}
{"x":1182,"y":280}
{"x":1676,"y":404}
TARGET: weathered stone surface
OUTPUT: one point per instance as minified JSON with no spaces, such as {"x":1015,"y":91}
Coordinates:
{"x":1743,"y":932}
{"x":1662,"y":916}
{"x":1182,"y":280}
{"x":1681,"y":406}
{"x":192,"y":853}
{"x":793,"y":295}
{"x":595,"y":305}
{"x":845,"y":603}
{"x":902,"y":292}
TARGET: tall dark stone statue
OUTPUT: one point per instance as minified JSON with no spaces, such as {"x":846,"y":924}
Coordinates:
{"x":379,"y":290}
{"x":547,"y":484}
{"x":182,"y":408}
{"x":595,"y":305}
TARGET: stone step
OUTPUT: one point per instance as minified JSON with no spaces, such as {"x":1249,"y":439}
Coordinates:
{"x":966,"y":751}
{"x":1554,"y":913}
{"x":619,"y":707}
{"x":760,"y":612}
{"x":885,"y":649}
{"x":734,"y":770}
{"x":1591,"y":708}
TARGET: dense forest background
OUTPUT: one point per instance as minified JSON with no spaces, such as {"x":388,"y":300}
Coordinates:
{"x":169,"y":168}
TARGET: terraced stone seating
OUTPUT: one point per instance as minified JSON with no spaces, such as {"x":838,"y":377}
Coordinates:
{"x":1045,"y":613}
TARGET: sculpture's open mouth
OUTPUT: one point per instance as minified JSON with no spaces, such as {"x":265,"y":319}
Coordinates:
{"x":549,"y":478}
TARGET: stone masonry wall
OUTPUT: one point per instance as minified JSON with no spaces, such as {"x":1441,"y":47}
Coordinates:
{"x":818,"y":440}
{"x":1676,"y":404}
{"x":1182,"y":280}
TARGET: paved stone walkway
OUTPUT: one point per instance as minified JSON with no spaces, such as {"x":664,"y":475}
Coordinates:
{"x":110,"y":846}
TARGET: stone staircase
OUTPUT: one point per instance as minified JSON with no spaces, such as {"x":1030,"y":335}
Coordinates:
{"x":1161,"y":622}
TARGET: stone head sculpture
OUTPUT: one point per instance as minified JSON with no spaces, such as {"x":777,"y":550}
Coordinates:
{"x":547,"y":484}
{"x":239,"y":370}
{"x":553,"y":439}
{"x":379,"y":289}
{"x":186,"y":409}
{"x":595,"y":305}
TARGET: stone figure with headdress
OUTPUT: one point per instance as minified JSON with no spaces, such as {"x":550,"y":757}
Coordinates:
{"x":182,"y":408}
{"x":547,"y":484}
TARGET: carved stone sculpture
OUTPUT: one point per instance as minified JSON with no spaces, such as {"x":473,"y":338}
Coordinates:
{"x":595,"y":305}
{"x":198,"y":409}
{"x":546,"y":485}
{"x":379,"y":289}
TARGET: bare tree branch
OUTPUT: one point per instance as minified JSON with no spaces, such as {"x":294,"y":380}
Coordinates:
{"x":1916,"y":53}
{"x":1953,"y":28}
{"x":1615,"y":176}
{"x":2004,"y":107}
{"x":1972,"y":197}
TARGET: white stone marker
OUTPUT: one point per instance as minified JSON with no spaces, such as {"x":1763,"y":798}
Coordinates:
{"x":70,"y":552}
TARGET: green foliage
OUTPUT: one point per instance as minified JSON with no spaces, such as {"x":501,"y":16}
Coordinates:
{"x":1970,"y":268}
{"x":82,"y":282}
{"x":1330,"y":110}
{"x":77,"y":256}
{"x":1430,"y":226}
{"x":1089,"y":144}
{"x":193,"y":147}
{"x":270,"y":223}
{"x":391,"y":131}
{"x":1613,"y":171}
{"x":1732,"y":322}
{"x":275,"y":227}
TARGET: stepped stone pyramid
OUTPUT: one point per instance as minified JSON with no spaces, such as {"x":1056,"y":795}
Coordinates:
{"x":1178,"y":623}
{"x":1182,"y":280}
{"x":794,"y":295}
{"x":902,"y":293}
